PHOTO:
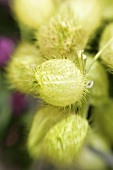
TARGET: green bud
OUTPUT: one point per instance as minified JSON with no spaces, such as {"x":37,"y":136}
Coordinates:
{"x":64,"y":140}
{"x":60,"y":82}
{"x":43,"y":120}
{"x":33,"y":13}
{"x":107,"y":54}
{"x":86,"y":13}
{"x":61,"y":38}
{"x":100,"y":91}
{"x":21,"y":67}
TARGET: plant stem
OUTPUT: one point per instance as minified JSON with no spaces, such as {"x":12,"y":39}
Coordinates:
{"x":100,"y":52}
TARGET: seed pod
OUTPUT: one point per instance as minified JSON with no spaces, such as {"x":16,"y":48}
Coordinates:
{"x":33,"y":13}
{"x":20,"y":69}
{"x":64,"y":140}
{"x":60,"y":82}
{"x":43,"y":120}
{"x":100,"y":91}
{"x":91,"y":16}
{"x":107,"y":55}
{"x":61,"y":39}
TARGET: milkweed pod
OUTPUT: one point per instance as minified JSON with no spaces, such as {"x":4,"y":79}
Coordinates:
{"x":64,"y":140}
{"x":60,"y":38}
{"x":44,"y":119}
{"x":60,"y":82}
{"x":107,"y":54}
{"x":89,"y":19}
{"x":33,"y":13}
{"x":100,"y":91}
{"x":20,"y":69}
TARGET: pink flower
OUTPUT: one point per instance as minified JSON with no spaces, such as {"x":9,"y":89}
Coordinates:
{"x":6,"y":49}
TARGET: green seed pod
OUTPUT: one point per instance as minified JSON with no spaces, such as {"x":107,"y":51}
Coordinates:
{"x":60,"y":82}
{"x":64,"y":140}
{"x":20,"y":69}
{"x":87,"y":158}
{"x":104,"y":119}
{"x":43,"y":120}
{"x":89,"y":20}
{"x":100,"y":91}
{"x":61,"y":38}
{"x":107,"y":55}
{"x":33,"y":13}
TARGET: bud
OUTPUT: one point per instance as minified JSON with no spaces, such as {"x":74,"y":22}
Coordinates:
{"x":61,"y":38}
{"x":33,"y":13}
{"x":43,"y":120}
{"x":89,"y":19}
{"x":60,"y":82}
{"x":20,"y":69}
{"x":64,"y":140}
{"x":100,"y":91}
{"x":107,"y":55}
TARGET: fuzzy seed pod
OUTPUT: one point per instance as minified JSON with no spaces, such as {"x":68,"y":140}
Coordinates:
{"x":100,"y":91}
{"x":60,"y":82}
{"x":87,"y":13}
{"x":20,"y":69}
{"x":61,"y":39}
{"x":107,"y":55}
{"x":104,"y":119}
{"x":33,"y":13}
{"x":43,"y":120}
{"x":64,"y":140}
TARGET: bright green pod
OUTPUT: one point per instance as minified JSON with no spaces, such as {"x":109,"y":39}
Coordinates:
{"x":64,"y":140}
{"x":61,"y":38}
{"x":107,"y":54}
{"x":60,"y":82}
{"x":21,"y":67}
{"x":33,"y":13}
{"x":45,"y":118}
{"x":100,"y":91}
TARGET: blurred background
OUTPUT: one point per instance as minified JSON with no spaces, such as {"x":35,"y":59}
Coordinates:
{"x":17,"y":109}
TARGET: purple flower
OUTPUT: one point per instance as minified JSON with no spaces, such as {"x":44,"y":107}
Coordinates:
{"x":18,"y":103}
{"x":6,"y":49}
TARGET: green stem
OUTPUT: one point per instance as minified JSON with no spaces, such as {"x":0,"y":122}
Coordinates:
{"x":100,"y":52}
{"x":84,"y":110}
